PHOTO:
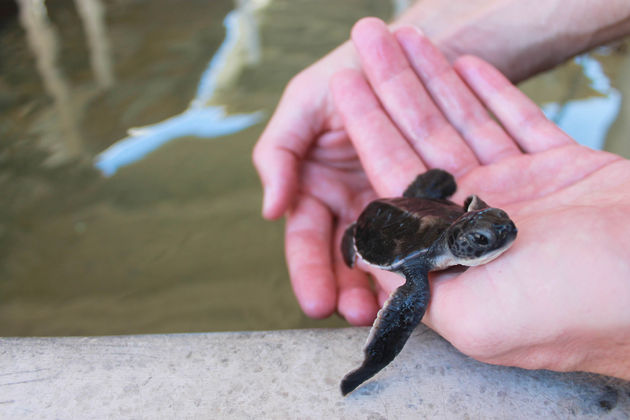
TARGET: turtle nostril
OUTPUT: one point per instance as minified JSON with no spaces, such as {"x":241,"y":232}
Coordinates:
{"x":510,"y":229}
{"x":506,"y":230}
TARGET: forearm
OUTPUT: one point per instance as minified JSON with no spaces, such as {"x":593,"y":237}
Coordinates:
{"x":520,"y":37}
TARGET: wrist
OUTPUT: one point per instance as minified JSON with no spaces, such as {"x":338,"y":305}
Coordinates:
{"x":517,"y":38}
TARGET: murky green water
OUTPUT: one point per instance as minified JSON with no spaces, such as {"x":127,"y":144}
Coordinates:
{"x":172,"y":242}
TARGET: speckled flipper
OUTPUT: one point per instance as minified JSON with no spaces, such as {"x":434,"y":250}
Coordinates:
{"x":395,"y":322}
{"x":435,"y":184}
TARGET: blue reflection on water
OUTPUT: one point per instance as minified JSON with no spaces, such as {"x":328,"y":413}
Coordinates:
{"x":199,"y":120}
{"x":588,"y":120}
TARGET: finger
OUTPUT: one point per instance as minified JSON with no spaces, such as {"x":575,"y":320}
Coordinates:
{"x":308,"y":235}
{"x":345,"y":193}
{"x":357,"y":302}
{"x":280,"y":149}
{"x":406,"y":100}
{"x":521,"y":117}
{"x":456,"y":101}
{"x":389,"y":161}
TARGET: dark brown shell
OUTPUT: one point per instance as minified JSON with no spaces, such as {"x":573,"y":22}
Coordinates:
{"x":389,"y":230}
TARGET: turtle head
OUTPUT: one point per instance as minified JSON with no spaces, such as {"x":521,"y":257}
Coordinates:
{"x":481,"y":234}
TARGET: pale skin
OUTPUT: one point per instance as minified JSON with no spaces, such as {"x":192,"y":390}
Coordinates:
{"x":488,"y":317}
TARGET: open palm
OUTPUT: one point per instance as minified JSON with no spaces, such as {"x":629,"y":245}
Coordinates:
{"x":558,"y":299}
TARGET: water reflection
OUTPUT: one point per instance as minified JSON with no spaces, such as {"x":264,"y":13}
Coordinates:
{"x":241,"y":47}
{"x":44,"y":42}
{"x":92,"y":16}
{"x":400,"y":6}
{"x":588,"y":120}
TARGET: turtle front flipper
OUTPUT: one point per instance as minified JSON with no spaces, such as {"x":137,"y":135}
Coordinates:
{"x":434,"y":183}
{"x":394,"y":324}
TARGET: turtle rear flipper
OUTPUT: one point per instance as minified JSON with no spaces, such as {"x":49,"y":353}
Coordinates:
{"x":347,"y":246}
{"x":435,"y":184}
{"x":395,"y":322}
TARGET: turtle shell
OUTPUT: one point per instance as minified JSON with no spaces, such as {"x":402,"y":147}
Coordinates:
{"x":389,"y":230}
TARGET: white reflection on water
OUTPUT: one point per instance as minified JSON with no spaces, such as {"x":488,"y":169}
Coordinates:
{"x":400,"y":6}
{"x":240,"y":47}
{"x":43,"y":40}
{"x":92,"y":15}
{"x":588,"y":120}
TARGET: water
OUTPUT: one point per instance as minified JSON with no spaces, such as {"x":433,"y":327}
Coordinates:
{"x":109,"y":231}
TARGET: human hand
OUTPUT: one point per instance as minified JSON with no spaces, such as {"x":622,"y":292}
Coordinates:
{"x":559,"y":298}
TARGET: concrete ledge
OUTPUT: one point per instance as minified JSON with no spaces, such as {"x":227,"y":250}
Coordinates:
{"x":280,"y":374}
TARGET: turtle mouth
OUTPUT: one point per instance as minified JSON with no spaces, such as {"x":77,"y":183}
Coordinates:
{"x":490,"y":256}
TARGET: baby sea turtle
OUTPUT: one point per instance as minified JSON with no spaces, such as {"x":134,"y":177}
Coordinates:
{"x":419,"y":232}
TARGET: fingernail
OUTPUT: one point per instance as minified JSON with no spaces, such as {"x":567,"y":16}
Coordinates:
{"x":408,"y":26}
{"x":418,"y":30}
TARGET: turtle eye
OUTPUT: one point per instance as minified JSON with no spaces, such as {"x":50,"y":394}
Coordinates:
{"x":479,"y":239}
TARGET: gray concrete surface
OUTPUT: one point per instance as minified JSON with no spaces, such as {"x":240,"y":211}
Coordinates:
{"x":280,"y":374}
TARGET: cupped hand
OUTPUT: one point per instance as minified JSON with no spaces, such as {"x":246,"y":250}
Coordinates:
{"x":559,"y":297}
{"x":311,"y":172}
